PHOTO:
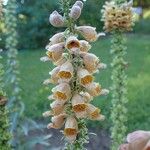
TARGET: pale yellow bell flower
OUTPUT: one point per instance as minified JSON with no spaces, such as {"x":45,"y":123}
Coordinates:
{"x":55,"y":51}
{"x":57,"y":121}
{"x":84,"y":77}
{"x":54,"y":75}
{"x":88,"y":32}
{"x":94,"y":89}
{"x":79,"y":106}
{"x":65,"y":73}
{"x":62,"y":92}
{"x":71,"y":129}
{"x":94,"y":113}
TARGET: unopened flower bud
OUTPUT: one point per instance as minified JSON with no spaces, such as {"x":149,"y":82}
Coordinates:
{"x":56,"y":19}
{"x":79,"y":3}
{"x":75,"y":12}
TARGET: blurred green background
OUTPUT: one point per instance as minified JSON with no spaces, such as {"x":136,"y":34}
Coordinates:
{"x":34,"y":32}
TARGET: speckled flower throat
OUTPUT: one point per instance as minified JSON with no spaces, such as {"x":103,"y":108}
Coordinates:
{"x":73,"y":76}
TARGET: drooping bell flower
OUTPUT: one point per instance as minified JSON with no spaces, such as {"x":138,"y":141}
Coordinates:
{"x":85,"y":46}
{"x":62,"y":92}
{"x":79,"y":106}
{"x":56,"y":19}
{"x":54,"y":75}
{"x":84,"y":77}
{"x":94,"y":89}
{"x":75,"y":12}
{"x":57,"y":121}
{"x":71,"y":129}
{"x":55,"y":51}
{"x":88,"y":32}
{"x":65,"y":73}
{"x":91,"y":62}
{"x":57,"y":108}
{"x":94,"y":112}
{"x":57,"y":38}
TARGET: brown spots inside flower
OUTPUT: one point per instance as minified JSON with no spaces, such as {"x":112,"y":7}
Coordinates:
{"x":86,"y":80}
{"x":79,"y":107}
{"x":95,"y":114}
{"x":70,"y":131}
{"x":73,"y":44}
{"x":60,"y":95}
{"x":64,"y":74}
{"x":49,"y":54}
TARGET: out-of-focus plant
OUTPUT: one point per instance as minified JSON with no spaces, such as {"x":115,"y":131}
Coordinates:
{"x":73,"y":76}
{"x":5,"y":136}
{"x":14,"y":103}
{"x":118,"y":18}
{"x":20,"y":126}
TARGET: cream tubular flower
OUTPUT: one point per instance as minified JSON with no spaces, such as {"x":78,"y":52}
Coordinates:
{"x":55,"y":51}
{"x":94,"y":112}
{"x":56,"y":19}
{"x":71,"y":129}
{"x":88,"y":32}
{"x":62,"y":92}
{"x":94,"y":89}
{"x":84,"y":77}
{"x":57,"y":121}
{"x":79,"y":106}
{"x":85,"y":46}
{"x":91,"y":62}
{"x":72,"y":43}
{"x":57,"y":108}
{"x":54,"y":75}
{"x":57,"y":38}
{"x":66,"y":72}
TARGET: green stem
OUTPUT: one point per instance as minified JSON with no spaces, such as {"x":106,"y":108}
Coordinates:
{"x":82,"y":137}
{"x":119,"y":89}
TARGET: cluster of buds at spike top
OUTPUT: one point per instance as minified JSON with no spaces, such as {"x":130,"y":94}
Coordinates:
{"x":73,"y":77}
{"x":117,"y":16}
{"x":57,"y":20}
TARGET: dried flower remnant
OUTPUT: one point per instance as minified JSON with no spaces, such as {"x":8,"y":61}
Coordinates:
{"x":73,"y":76}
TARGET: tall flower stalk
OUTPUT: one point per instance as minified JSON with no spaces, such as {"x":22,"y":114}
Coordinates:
{"x":73,"y":76}
{"x":4,"y":122}
{"x":118,"y":18}
{"x":12,"y":65}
